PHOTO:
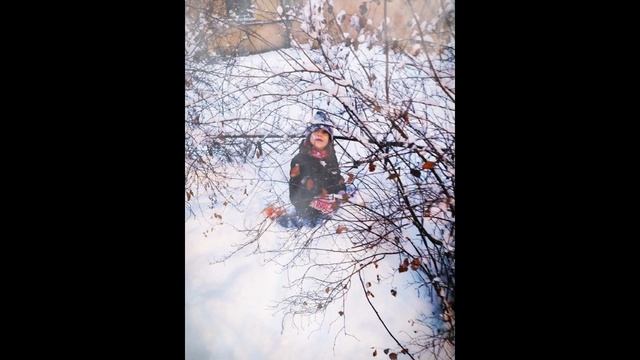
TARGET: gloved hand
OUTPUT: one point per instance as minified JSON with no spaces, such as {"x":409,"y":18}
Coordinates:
{"x":342,"y":196}
{"x":324,"y":205}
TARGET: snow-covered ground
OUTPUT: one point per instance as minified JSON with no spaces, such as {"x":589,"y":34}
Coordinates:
{"x":230,"y":307}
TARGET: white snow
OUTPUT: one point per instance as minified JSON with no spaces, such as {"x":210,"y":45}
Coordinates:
{"x":227,"y":305}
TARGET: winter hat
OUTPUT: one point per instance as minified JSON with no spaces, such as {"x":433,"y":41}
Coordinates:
{"x":320,"y":121}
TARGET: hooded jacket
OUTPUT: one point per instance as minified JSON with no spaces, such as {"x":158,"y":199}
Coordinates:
{"x":310,"y":177}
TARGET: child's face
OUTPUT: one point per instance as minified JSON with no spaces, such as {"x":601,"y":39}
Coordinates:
{"x":319,"y":139}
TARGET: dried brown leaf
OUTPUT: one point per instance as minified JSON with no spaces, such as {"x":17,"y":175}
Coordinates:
{"x":427,"y":165}
{"x":350,"y":178}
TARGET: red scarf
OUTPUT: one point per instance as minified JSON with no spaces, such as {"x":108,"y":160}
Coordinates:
{"x":318,"y":154}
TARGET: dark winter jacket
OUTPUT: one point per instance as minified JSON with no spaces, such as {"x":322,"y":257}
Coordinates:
{"x":310,"y":177}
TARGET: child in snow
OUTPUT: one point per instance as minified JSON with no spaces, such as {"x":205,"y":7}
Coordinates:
{"x":315,"y":177}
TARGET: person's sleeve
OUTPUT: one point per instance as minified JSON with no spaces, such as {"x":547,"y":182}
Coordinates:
{"x":294,"y":180}
{"x":298,"y":194}
{"x":336,"y":181}
{"x":341,"y":185}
